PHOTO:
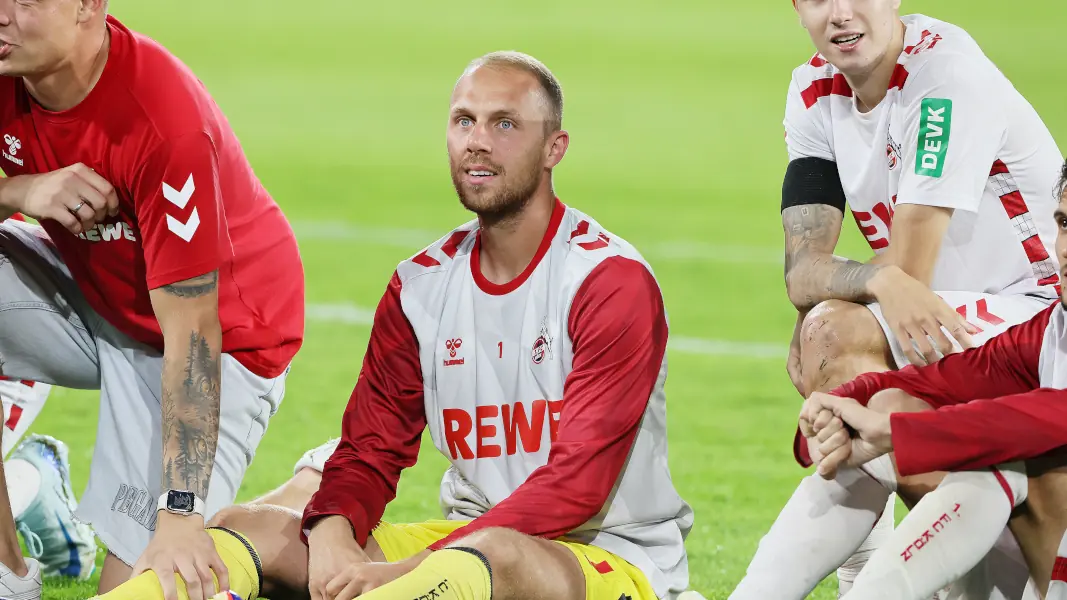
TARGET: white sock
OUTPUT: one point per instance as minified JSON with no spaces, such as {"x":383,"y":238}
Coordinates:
{"x":23,"y":482}
{"x":881,"y":533}
{"x":947,"y":533}
{"x":1057,"y":588}
{"x":823,"y":523}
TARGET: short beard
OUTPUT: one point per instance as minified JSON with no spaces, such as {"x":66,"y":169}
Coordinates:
{"x":502,"y":206}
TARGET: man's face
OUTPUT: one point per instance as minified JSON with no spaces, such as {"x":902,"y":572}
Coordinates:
{"x":1061,"y":245}
{"x":498,"y":144}
{"x":37,"y":35}
{"x":853,"y":35}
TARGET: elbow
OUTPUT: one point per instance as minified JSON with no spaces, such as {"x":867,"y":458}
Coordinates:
{"x":795,"y":292}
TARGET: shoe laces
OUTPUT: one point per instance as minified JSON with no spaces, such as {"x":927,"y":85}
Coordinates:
{"x":33,"y":541}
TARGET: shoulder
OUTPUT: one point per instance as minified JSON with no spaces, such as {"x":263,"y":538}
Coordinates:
{"x":941,"y":56}
{"x":159,"y":88}
{"x":592,"y":253}
{"x":814,"y":80}
{"x":441,"y":255}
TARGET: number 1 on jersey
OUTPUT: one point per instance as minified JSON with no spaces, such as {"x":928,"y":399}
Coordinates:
{"x":501,"y":346}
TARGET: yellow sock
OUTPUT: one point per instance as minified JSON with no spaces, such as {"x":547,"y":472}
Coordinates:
{"x":450,"y":574}
{"x":237,"y":553}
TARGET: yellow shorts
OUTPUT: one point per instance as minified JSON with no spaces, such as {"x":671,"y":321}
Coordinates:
{"x":607,"y":577}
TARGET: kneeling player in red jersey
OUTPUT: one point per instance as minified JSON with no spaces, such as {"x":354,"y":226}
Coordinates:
{"x":1003,"y":402}
{"x":153,"y":278}
{"x":531,"y":342}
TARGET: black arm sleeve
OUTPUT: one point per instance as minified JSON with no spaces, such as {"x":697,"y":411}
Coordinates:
{"x":812,"y":181}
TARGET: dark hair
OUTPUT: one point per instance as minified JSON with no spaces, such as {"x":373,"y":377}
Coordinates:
{"x":1061,"y":187}
{"x":524,"y":62}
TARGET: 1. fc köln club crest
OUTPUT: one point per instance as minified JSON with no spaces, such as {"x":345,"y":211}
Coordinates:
{"x":542,"y":346}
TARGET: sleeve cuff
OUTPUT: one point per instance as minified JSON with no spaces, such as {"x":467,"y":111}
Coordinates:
{"x":953,"y":201}
{"x":356,"y":515}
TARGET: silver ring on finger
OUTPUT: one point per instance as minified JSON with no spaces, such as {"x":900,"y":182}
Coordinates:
{"x":77,"y":207}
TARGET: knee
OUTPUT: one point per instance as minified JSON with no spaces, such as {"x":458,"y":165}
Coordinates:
{"x":235,"y":518}
{"x":501,"y":547}
{"x":894,"y":401}
{"x":834,"y":328}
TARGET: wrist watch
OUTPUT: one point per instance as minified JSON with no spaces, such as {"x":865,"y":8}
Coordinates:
{"x":180,"y":502}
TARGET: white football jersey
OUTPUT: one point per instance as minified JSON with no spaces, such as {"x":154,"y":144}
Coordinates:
{"x":952,"y":132}
{"x":496,"y":361}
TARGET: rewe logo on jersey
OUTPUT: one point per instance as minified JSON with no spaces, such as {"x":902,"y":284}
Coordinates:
{"x":13,"y":146}
{"x":935,"y":125}
{"x":108,"y":232}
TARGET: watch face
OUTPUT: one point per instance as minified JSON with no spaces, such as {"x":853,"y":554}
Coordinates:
{"x":180,"y":501}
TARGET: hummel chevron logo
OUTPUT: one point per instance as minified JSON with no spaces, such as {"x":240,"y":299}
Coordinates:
{"x":186,"y":230}
{"x":180,"y":199}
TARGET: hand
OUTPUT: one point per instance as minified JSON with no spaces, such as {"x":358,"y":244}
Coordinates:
{"x":358,"y":579}
{"x":871,"y":435}
{"x":916,"y":315}
{"x":55,"y":195}
{"x":792,"y":363}
{"x":332,"y":548}
{"x":181,"y":546}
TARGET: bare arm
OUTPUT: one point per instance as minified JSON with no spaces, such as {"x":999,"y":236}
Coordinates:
{"x":192,"y":349}
{"x":813,"y":273}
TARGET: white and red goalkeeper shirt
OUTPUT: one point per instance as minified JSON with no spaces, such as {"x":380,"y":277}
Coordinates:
{"x":545,"y":393}
{"x":1001,"y":402}
{"x":951,"y":132}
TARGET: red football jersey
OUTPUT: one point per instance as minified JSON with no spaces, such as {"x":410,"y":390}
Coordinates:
{"x":189,"y":201}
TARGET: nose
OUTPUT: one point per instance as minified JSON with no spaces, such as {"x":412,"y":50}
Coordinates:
{"x":840,"y":11}
{"x":478,"y":140}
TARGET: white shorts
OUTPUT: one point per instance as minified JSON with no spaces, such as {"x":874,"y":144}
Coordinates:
{"x":48,"y":333}
{"x":23,"y":401}
{"x":991,"y":314}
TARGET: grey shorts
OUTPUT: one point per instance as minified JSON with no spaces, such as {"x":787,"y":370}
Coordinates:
{"x":48,"y":333}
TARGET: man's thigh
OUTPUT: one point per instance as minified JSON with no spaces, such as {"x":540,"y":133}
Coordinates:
{"x":992,"y":314}
{"x":46,"y":326}
{"x":607,"y":577}
{"x":125,"y":479}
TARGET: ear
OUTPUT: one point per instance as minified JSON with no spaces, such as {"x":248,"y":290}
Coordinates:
{"x":557,"y":145}
{"x":89,"y":9}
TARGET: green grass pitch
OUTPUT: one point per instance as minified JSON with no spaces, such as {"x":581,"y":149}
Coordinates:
{"x":675,"y":111}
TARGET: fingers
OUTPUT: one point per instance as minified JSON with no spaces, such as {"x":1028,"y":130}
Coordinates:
{"x":833,"y":426}
{"x":222,"y":573}
{"x":356,"y":587}
{"x":337,"y":584}
{"x":109,"y":197}
{"x":188,"y":572}
{"x":827,"y":469}
{"x":167,"y":582}
{"x":138,"y":567}
{"x":833,"y":441}
{"x":823,"y":420}
{"x":207,"y":581}
{"x":67,"y":220}
{"x":942,"y":342}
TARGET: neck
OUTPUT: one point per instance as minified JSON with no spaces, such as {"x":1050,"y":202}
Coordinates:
{"x":71,"y":81}
{"x":509,"y":244}
{"x":871,"y":87}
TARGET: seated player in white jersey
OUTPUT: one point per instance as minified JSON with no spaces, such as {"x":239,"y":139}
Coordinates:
{"x":943,"y":164}
{"x":531,"y":342}
{"x":1019,"y":377}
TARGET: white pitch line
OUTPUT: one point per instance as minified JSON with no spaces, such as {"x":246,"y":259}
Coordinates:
{"x":411,"y":240}
{"x":350,"y":314}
